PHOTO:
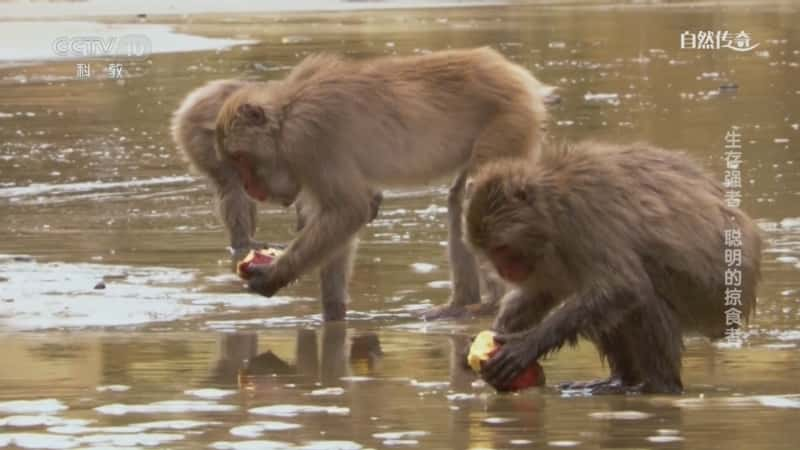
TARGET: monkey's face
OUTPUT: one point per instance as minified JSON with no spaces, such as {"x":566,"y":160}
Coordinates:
{"x":268,"y":180}
{"x":247,"y":138}
{"x":511,"y":265}
{"x":505,"y":224}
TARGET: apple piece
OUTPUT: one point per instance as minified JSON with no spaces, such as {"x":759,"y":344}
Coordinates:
{"x":260,"y":257}
{"x":482,"y":349}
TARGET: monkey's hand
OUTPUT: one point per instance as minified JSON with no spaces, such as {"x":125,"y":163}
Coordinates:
{"x":267,"y":280}
{"x":516,"y":353}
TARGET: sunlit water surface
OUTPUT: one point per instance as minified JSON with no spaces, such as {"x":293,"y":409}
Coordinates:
{"x":92,"y":191}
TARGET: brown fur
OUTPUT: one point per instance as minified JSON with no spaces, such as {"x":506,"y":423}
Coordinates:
{"x":338,"y":129}
{"x":628,"y":239}
{"x":193,"y":130}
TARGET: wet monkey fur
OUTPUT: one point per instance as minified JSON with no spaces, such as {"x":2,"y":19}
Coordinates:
{"x":620,"y":245}
{"x":193,"y":130}
{"x":337,"y":130}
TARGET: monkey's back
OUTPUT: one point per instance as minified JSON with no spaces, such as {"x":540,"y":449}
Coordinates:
{"x":663,"y":208}
{"x":425,"y":111}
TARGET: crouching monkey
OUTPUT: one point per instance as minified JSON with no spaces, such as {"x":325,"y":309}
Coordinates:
{"x":626,"y":246}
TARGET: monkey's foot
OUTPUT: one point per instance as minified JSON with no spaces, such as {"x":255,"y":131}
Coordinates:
{"x":448,"y":311}
{"x":609,"y":386}
{"x":483,"y":309}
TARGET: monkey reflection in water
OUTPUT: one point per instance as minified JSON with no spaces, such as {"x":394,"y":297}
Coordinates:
{"x":240,"y":357}
{"x":337,"y":130}
{"x":625,"y":246}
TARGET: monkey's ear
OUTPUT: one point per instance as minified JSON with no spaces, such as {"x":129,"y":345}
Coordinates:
{"x":252,"y":114}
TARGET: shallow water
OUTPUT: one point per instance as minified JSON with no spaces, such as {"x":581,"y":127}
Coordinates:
{"x":92,"y":190}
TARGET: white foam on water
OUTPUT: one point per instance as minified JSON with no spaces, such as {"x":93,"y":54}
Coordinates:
{"x":167,"y":406}
{"x":174,"y":424}
{"x":664,"y":439}
{"x":461,"y":396}
{"x":400,"y":442}
{"x":113,"y":388}
{"x":430,"y":384}
{"x":423,"y":267}
{"x":131,"y":440}
{"x":40,"y":189}
{"x":61,"y":295}
{"x":779,"y":401}
{"x":296,"y":410}
{"x":333,"y":391}
{"x":36,"y":40}
{"x":210,"y":393}
{"x":620,"y":415}
{"x":81,"y":429}
{"x":257,"y":429}
{"x":499,"y":420}
{"x":397,"y":435}
{"x":89,"y":8}
{"x":331,"y":445}
{"x":442,"y":284}
{"x":37,"y":440}
{"x":563,"y":443}
{"x":251,"y":445}
{"x":43,"y":406}
{"x":40,"y":420}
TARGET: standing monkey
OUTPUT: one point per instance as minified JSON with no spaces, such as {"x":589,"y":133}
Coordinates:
{"x":338,"y":130}
{"x":630,"y":241}
{"x":193,"y":130}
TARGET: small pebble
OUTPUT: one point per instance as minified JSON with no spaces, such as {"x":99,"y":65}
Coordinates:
{"x":728,"y":87}
{"x":100,"y":285}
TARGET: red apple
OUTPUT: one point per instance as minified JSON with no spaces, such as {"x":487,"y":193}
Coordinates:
{"x":261,"y":257}
{"x":484,"y":347}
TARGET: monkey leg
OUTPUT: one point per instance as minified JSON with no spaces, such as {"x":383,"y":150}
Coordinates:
{"x":334,"y":274}
{"x":624,"y":378}
{"x":643,"y":353}
{"x":655,"y":340}
{"x":463,"y":266}
{"x":334,"y":278}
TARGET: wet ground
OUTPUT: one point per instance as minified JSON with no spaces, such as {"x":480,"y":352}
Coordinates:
{"x":123,"y":327}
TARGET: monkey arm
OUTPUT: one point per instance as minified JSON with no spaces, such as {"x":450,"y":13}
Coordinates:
{"x":590,"y":313}
{"x":521,"y":310}
{"x":342,"y":208}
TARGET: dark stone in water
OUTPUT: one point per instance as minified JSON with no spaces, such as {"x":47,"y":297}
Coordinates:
{"x":23,"y":259}
{"x":728,"y":87}
{"x":3,"y":279}
{"x":100,"y":285}
{"x":8,"y":300}
{"x":266,"y":363}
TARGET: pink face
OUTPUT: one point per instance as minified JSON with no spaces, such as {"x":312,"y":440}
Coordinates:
{"x":252,"y":185}
{"x":510,"y":265}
